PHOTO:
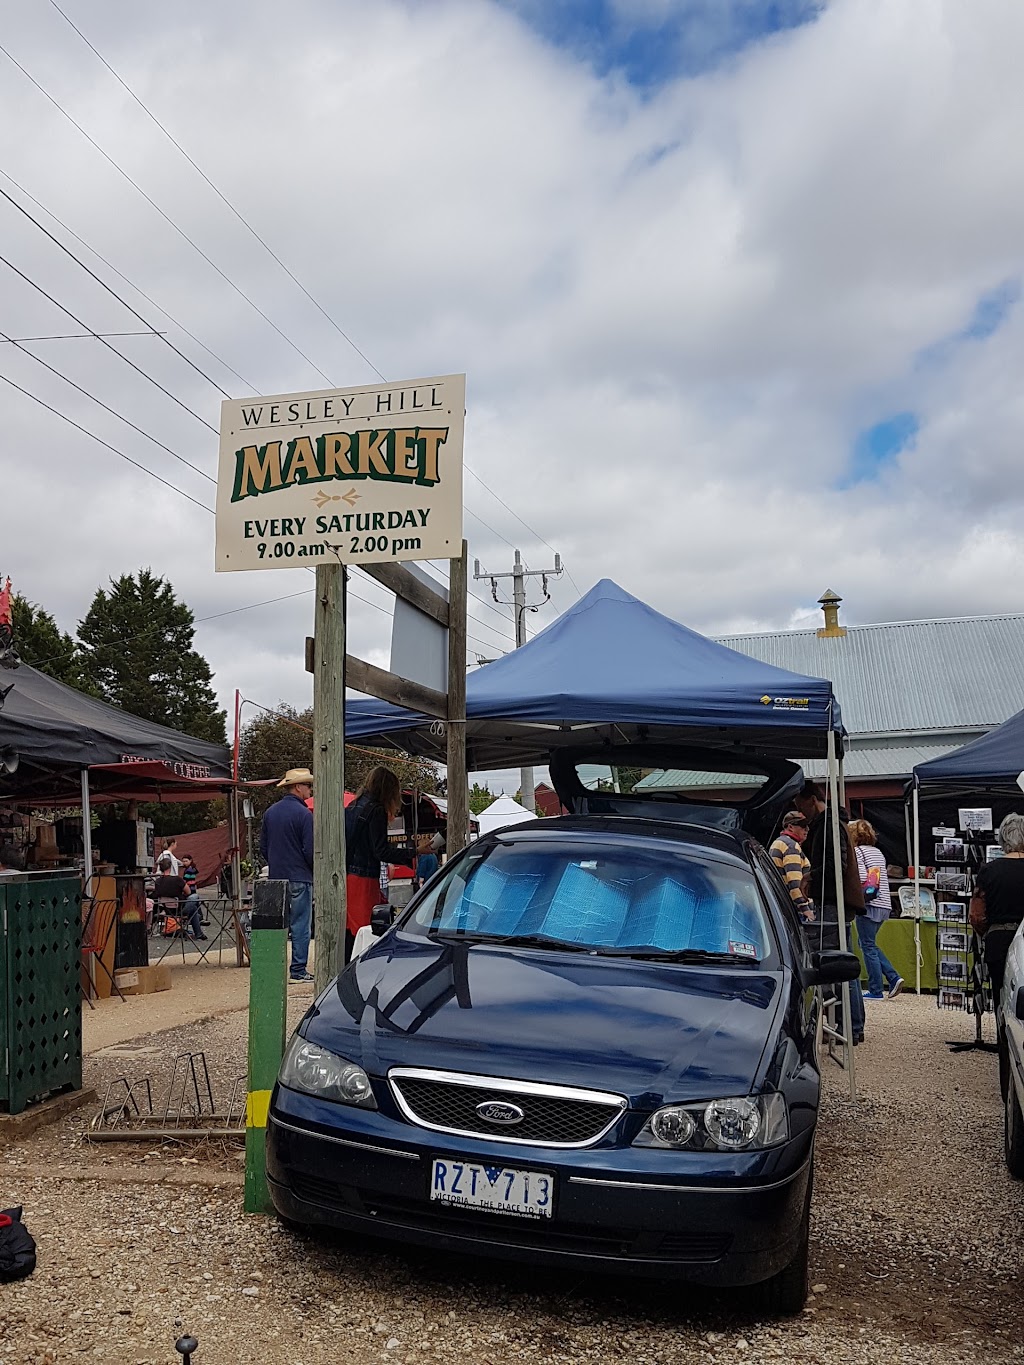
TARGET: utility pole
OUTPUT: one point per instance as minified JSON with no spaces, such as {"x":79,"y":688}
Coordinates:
{"x":519,"y":574}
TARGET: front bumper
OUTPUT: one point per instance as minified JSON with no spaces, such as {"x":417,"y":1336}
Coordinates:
{"x":713,"y":1219}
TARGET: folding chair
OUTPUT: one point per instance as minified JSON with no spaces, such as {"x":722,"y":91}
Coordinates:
{"x":173,"y":926}
{"x":96,"y":931}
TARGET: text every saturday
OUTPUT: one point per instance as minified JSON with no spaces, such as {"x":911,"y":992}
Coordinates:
{"x":274,"y":527}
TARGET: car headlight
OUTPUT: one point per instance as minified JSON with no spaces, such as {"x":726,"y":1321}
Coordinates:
{"x":743,"y":1124}
{"x":316,"y":1071}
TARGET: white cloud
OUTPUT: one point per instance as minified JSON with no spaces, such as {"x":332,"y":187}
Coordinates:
{"x":676,"y":310}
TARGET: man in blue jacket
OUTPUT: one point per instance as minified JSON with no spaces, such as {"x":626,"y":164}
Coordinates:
{"x":286,"y":846}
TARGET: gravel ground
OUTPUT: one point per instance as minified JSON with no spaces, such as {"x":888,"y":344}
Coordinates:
{"x":915,"y":1252}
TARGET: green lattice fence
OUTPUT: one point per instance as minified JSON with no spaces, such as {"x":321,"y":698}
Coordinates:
{"x":41,"y":1012}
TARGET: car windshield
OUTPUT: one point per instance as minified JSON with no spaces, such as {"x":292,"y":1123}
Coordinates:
{"x":618,"y":899}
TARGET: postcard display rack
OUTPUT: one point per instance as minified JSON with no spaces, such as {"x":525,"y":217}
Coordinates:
{"x":960,"y":965}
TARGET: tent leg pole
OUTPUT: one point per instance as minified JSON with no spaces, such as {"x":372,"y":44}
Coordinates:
{"x":87,"y":854}
{"x":837,"y":862}
{"x":917,"y":889}
{"x":86,"y":832}
{"x":235,"y":835}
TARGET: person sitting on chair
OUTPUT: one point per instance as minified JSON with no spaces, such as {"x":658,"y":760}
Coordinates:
{"x":170,"y":887}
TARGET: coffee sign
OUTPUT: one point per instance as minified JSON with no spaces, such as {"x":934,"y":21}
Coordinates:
{"x":356,"y":476}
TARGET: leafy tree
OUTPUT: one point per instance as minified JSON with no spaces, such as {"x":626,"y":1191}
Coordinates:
{"x":40,"y":642}
{"x":271,"y":744}
{"x":141,"y":656}
{"x":479,"y":798}
{"x":275,"y":742}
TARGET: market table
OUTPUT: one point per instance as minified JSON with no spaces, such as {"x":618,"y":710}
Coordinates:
{"x":896,"y":940}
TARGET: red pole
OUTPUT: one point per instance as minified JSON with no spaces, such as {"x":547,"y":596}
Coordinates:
{"x":238,"y":711}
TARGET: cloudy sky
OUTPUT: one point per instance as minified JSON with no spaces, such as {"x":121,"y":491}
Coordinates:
{"x":735,"y":283}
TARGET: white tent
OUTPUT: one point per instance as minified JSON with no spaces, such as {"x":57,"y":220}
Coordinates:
{"x":504,"y":811}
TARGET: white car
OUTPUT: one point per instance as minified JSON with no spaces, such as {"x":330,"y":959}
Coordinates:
{"x":1010,"y":1027}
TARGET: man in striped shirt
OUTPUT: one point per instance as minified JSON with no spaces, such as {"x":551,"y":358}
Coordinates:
{"x":788,"y":857}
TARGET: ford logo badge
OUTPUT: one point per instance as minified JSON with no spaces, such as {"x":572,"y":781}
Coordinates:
{"x":500,"y":1111}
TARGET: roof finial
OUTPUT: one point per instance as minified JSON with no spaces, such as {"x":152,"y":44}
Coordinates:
{"x":829,"y":602}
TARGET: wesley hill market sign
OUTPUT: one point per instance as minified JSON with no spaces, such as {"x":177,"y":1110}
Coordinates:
{"x":359,"y":475}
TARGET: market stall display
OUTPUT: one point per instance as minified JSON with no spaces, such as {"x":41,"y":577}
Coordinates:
{"x":974,"y":788}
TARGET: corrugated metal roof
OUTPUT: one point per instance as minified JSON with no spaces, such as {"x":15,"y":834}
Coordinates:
{"x":964,"y":673}
{"x":682,"y":779}
{"x":882,"y":760}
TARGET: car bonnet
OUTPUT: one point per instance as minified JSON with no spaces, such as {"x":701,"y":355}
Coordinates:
{"x":652,"y":1031}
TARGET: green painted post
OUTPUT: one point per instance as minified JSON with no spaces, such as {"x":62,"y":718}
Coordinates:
{"x":268,"y":1005}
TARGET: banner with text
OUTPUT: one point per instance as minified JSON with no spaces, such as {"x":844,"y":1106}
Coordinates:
{"x":356,"y":476}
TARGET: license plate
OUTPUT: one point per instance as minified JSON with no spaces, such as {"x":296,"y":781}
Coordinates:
{"x":501,"y":1189}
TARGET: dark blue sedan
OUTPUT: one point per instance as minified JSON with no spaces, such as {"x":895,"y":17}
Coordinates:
{"x":589,"y":1043}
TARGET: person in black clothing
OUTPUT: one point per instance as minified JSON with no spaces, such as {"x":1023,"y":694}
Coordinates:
{"x":997,"y":906}
{"x":170,"y":887}
{"x":366,"y":847}
{"x":819,"y":851}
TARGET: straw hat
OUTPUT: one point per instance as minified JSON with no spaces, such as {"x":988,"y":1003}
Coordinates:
{"x":294,"y":776}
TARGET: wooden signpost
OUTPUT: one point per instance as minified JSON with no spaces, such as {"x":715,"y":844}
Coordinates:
{"x":366,"y":476}
{"x":333,"y":670}
{"x":362,"y":477}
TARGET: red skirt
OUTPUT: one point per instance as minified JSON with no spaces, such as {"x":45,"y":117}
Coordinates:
{"x":363,"y":894}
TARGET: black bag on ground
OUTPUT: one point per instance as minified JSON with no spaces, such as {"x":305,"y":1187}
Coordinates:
{"x":17,"y":1246}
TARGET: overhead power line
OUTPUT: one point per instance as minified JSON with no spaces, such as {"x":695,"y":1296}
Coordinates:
{"x":196,"y":621}
{"x":252,"y":232}
{"x":216,"y":189}
{"x":249,"y":387}
{"x":165,"y":216}
{"x":223,"y":275}
{"x":100,"y":441}
{"x":103,"y":342}
{"x":113,"y":411}
{"x":84,"y":336}
{"x":124,"y":303}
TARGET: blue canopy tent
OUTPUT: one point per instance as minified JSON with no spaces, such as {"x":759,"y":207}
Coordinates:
{"x":612,"y":670}
{"x":613,"y":675}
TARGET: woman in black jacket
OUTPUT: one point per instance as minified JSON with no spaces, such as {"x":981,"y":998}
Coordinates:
{"x":366,"y":846}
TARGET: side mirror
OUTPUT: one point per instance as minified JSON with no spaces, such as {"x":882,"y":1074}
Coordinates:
{"x":830,"y":968}
{"x":1018,"y":1003}
{"x":380,"y":919}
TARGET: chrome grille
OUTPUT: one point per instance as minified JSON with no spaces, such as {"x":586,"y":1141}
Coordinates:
{"x":553,"y":1115}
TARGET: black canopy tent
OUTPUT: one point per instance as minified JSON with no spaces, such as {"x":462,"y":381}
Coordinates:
{"x":55,"y":730}
{"x":987,"y":769}
{"x":993,"y":762}
{"x":57,"y":743}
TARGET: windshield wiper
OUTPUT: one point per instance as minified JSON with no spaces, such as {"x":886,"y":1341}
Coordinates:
{"x":677,"y":955}
{"x":512,"y":941}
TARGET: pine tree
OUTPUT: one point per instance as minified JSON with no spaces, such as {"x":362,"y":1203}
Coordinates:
{"x":39,"y":641}
{"x":141,"y":656}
